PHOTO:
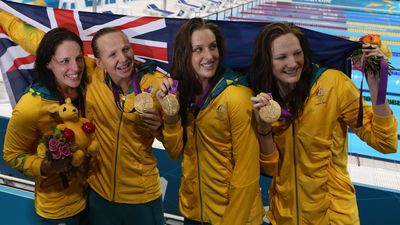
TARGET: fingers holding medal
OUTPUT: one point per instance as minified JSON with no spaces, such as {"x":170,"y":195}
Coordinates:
{"x":268,"y":109}
{"x":270,"y":112}
{"x":169,"y":102}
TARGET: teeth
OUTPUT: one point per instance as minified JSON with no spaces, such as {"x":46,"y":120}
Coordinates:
{"x":208,"y":65}
{"x":72,"y":75}
{"x":123,"y":67}
{"x":291,"y":71}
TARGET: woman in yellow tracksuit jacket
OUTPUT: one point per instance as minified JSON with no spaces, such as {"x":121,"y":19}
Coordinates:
{"x":60,"y":74}
{"x":307,"y":153}
{"x":214,"y":135}
{"x":125,"y":171}
{"x":125,"y":175}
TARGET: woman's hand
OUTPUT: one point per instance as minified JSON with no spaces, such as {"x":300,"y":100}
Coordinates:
{"x":165,"y":86}
{"x":55,"y":166}
{"x":262,"y":99}
{"x":151,"y":118}
{"x":372,"y":51}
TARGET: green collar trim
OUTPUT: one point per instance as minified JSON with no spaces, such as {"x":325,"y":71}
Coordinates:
{"x":316,"y":73}
{"x":39,"y":89}
{"x":230,"y":77}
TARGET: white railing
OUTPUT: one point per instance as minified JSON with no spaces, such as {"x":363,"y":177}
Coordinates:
{"x":233,"y":9}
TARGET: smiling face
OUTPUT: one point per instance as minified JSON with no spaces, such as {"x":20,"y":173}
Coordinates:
{"x":115,"y":55}
{"x":205,"y":55}
{"x":287,"y":61}
{"x":67,"y":65}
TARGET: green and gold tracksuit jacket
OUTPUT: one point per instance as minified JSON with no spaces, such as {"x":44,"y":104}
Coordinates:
{"x":30,"y":120}
{"x":220,"y":167}
{"x":126,"y":170}
{"x":311,"y":183}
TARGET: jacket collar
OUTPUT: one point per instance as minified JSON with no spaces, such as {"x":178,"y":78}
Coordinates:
{"x":229,"y":77}
{"x":37,"y":88}
{"x":316,"y":73}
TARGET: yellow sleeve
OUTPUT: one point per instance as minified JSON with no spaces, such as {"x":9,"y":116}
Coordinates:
{"x":379,"y":132}
{"x":269,"y":163}
{"x":22,"y":136}
{"x":27,"y":36}
{"x":173,"y":139}
{"x":91,"y":67}
{"x":246,"y":173}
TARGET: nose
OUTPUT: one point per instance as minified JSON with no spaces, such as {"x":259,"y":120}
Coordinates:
{"x":292,"y":61}
{"x":208,"y":53}
{"x":74,"y":65}
{"x":124,"y":57}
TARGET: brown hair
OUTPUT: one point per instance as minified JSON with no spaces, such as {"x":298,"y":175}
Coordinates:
{"x":100,"y":33}
{"x":45,"y":52}
{"x":182,"y":69}
{"x":262,"y":78}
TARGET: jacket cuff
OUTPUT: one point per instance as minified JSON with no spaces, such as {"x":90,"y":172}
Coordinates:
{"x":172,"y":128}
{"x":36,"y":164}
{"x":272,"y":157}
{"x":384,"y":121}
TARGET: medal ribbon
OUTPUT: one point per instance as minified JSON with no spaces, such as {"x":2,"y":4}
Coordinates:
{"x":174,"y":87}
{"x":116,"y":91}
{"x":382,"y":88}
{"x":203,"y":97}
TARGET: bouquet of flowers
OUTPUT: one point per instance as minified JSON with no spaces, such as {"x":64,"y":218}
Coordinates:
{"x":74,"y":137}
{"x":57,"y":144}
{"x":377,"y":65}
{"x":372,"y":63}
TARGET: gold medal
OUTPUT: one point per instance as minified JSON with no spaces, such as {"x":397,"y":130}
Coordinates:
{"x":170,"y":105}
{"x":143,"y":101}
{"x":270,"y":113}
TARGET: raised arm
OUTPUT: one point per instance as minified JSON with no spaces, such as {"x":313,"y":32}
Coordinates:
{"x":379,"y":128}
{"x":172,"y":129}
{"x":373,"y":82}
{"x":268,"y":154}
{"x":20,"y":32}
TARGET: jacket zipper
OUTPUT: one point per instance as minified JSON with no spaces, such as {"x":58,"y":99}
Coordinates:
{"x":198,"y":171}
{"x":295,"y":172}
{"x":116,"y":148}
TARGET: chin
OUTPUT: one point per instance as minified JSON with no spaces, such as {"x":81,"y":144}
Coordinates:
{"x":75,"y":85}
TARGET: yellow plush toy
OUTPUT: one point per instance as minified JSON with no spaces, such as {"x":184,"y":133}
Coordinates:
{"x":77,"y":130}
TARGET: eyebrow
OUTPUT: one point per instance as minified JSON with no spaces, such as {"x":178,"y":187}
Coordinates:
{"x":212,"y":42}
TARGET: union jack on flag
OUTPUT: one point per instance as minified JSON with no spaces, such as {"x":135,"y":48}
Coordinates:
{"x":150,"y":37}
{"x":14,"y":59}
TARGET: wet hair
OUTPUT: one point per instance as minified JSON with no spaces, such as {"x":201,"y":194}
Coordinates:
{"x":45,"y":52}
{"x":182,"y":70}
{"x":262,"y":78}
{"x":99,"y":34}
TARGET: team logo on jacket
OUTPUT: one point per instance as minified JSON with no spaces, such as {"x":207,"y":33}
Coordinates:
{"x":220,"y":112}
{"x":321,"y":99}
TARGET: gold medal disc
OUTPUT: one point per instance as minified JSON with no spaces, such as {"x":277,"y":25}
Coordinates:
{"x":170,"y":104}
{"x":143,"y":101}
{"x":270,"y":113}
